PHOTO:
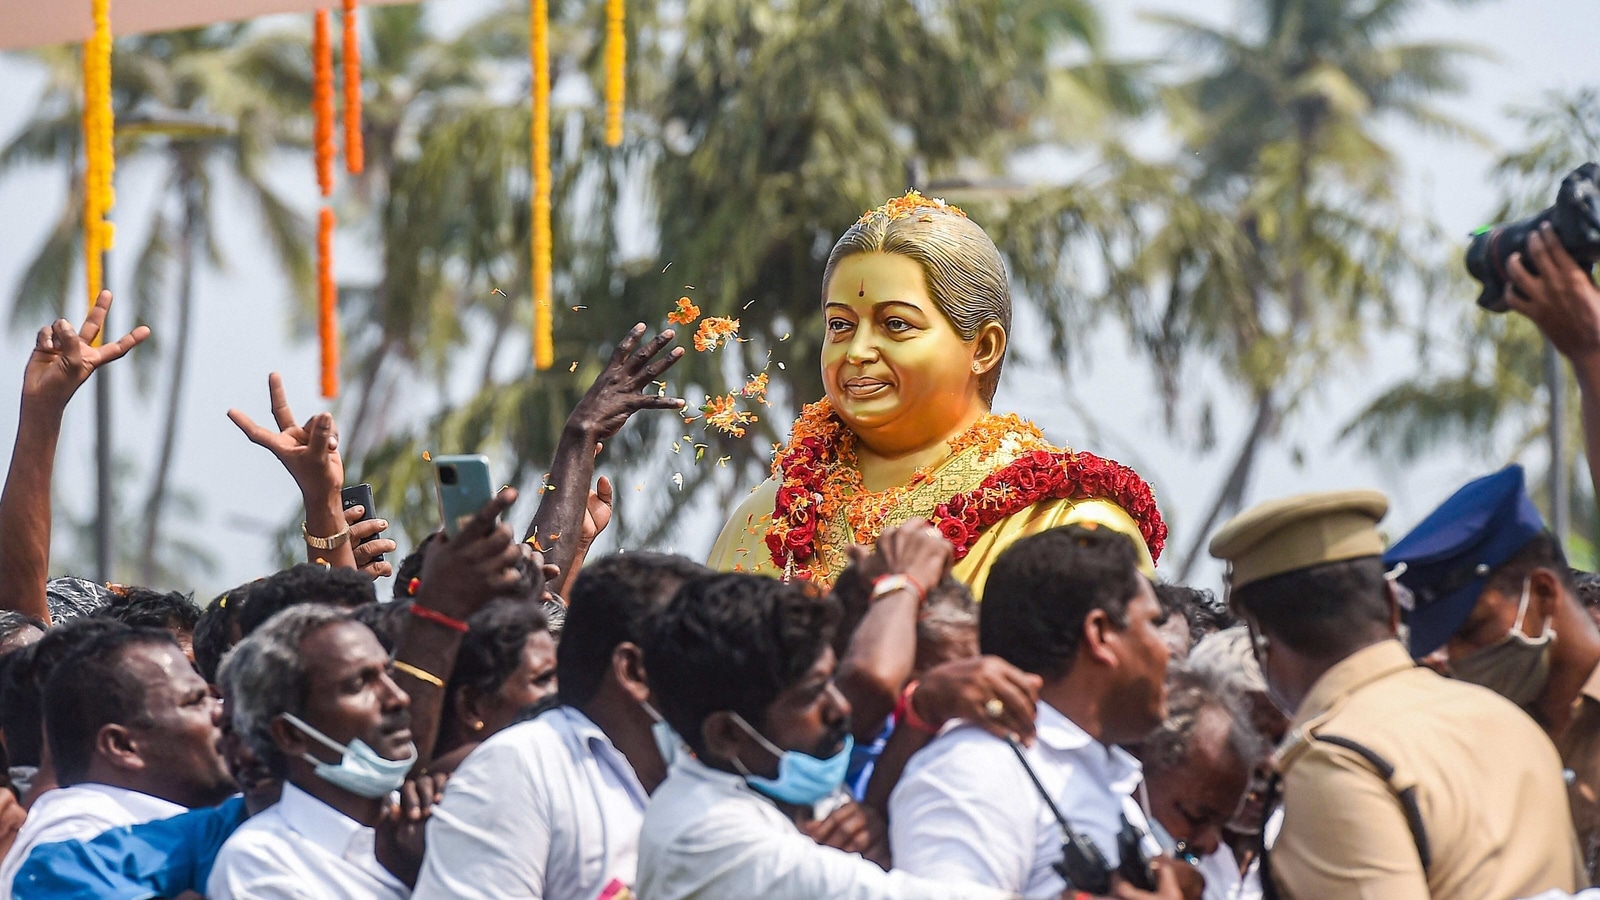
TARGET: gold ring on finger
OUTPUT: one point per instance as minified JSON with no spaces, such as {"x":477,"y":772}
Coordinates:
{"x":993,"y":708}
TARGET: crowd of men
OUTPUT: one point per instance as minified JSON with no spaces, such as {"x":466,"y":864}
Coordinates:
{"x":1357,"y":718}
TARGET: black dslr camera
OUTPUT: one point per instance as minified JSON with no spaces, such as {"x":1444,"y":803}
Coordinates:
{"x":1082,"y":865}
{"x":1575,"y":216}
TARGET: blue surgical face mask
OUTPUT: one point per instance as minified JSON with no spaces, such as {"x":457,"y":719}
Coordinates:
{"x":668,"y":744}
{"x":360,"y":770}
{"x":803,"y":780}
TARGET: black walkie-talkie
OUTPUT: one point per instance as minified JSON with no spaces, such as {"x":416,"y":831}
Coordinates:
{"x":1082,"y":865}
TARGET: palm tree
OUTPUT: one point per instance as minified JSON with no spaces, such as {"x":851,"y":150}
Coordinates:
{"x":1276,"y":233}
{"x":190,"y":100}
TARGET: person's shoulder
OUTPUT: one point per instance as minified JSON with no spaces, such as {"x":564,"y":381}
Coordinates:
{"x":264,"y":838}
{"x":965,"y":755}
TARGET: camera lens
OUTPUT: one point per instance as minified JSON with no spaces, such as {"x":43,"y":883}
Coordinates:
{"x":447,"y":475}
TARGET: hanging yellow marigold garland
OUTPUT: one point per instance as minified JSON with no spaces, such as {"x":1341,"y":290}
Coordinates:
{"x":543,"y":340}
{"x":324,"y":150}
{"x":99,"y":155}
{"x":354,"y":149}
{"x":616,"y":68}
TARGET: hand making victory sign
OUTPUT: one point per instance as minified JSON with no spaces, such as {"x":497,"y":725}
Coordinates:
{"x":311,"y":454}
{"x":63,"y":358}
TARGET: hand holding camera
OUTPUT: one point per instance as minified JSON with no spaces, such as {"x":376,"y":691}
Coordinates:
{"x":1557,"y":293}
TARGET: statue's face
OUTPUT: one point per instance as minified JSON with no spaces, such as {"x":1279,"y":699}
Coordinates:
{"x":892,"y":363}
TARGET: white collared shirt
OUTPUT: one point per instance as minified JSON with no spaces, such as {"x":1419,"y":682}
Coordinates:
{"x":80,"y":812}
{"x":547,"y":808}
{"x":1223,"y":879}
{"x":709,"y":836}
{"x":302,"y":848}
{"x":966,"y":809}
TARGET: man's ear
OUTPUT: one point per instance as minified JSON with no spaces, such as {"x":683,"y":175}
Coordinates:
{"x":723,"y":738}
{"x":1099,"y":633}
{"x":465,"y":707}
{"x":1393,"y":594}
{"x":117,"y":745}
{"x":627,"y":667}
{"x":291,"y":740}
{"x":1545,"y":591}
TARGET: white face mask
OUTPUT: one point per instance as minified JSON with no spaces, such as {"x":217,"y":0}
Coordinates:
{"x":668,"y":744}
{"x":360,"y":769}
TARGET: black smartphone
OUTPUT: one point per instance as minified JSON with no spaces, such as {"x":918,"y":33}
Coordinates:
{"x":361,"y":495}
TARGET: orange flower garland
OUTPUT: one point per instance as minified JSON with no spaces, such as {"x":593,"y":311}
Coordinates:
{"x":324,"y":150}
{"x":355,"y":154}
{"x":819,"y":480}
{"x":543,"y":325}
{"x":327,"y":304}
{"x":616,"y":68}
{"x":322,"y":101}
{"x":99,"y":155}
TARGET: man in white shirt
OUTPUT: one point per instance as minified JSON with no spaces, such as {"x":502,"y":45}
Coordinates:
{"x":134,"y":735}
{"x":742,"y":668}
{"x":1069,"y":605}
{"x":552,"y":807}
{"x":312,"y":697}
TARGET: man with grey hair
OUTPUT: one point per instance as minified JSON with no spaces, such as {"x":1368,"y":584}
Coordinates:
{"x":1197,"y":762}
{"x":312,"y":697}
{"x":1233,"y":871}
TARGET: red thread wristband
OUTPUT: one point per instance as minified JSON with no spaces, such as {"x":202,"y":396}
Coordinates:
{"x":438,"y":618}
{"x":905,"y":713}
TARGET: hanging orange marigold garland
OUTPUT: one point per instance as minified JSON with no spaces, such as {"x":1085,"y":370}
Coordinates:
{"x":543,"y":340}
{"x":324,"y":149}
{"x":322,"y":101}
{"x":99,"y":155}
{"x":354,"y":148}
{"x":616,"y":68}
{"x":327,"y":308}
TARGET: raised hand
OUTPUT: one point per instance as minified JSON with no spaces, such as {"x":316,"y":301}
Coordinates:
{"x":310,"y":452}
{"x":619,"y":391}
{"x":483,"y":561}
{"x":1562,"y":299}
{"x":915,"y":549}
{"x":64,"y":358}
{"x":597,"y":515}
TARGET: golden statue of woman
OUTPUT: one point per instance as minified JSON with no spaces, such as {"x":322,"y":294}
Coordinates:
{"x":917,"y":308}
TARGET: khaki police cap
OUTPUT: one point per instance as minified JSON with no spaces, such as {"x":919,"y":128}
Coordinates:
{"x":1299,"y":532}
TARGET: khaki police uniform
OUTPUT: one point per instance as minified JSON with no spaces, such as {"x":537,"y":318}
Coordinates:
{"x":1398,"y":784}
{"x":1471,"y":769}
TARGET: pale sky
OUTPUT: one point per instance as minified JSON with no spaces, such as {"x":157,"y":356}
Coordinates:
{"x":242,"y":323}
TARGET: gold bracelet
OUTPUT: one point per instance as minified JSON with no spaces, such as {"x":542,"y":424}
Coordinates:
{"x":418,"y":674}
{"x":324,"y":543}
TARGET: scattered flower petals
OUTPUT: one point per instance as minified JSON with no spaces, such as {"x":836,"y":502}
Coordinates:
{"x":723,"y":414}
{"x":685,"y":313}
{"x":715,"y":331}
